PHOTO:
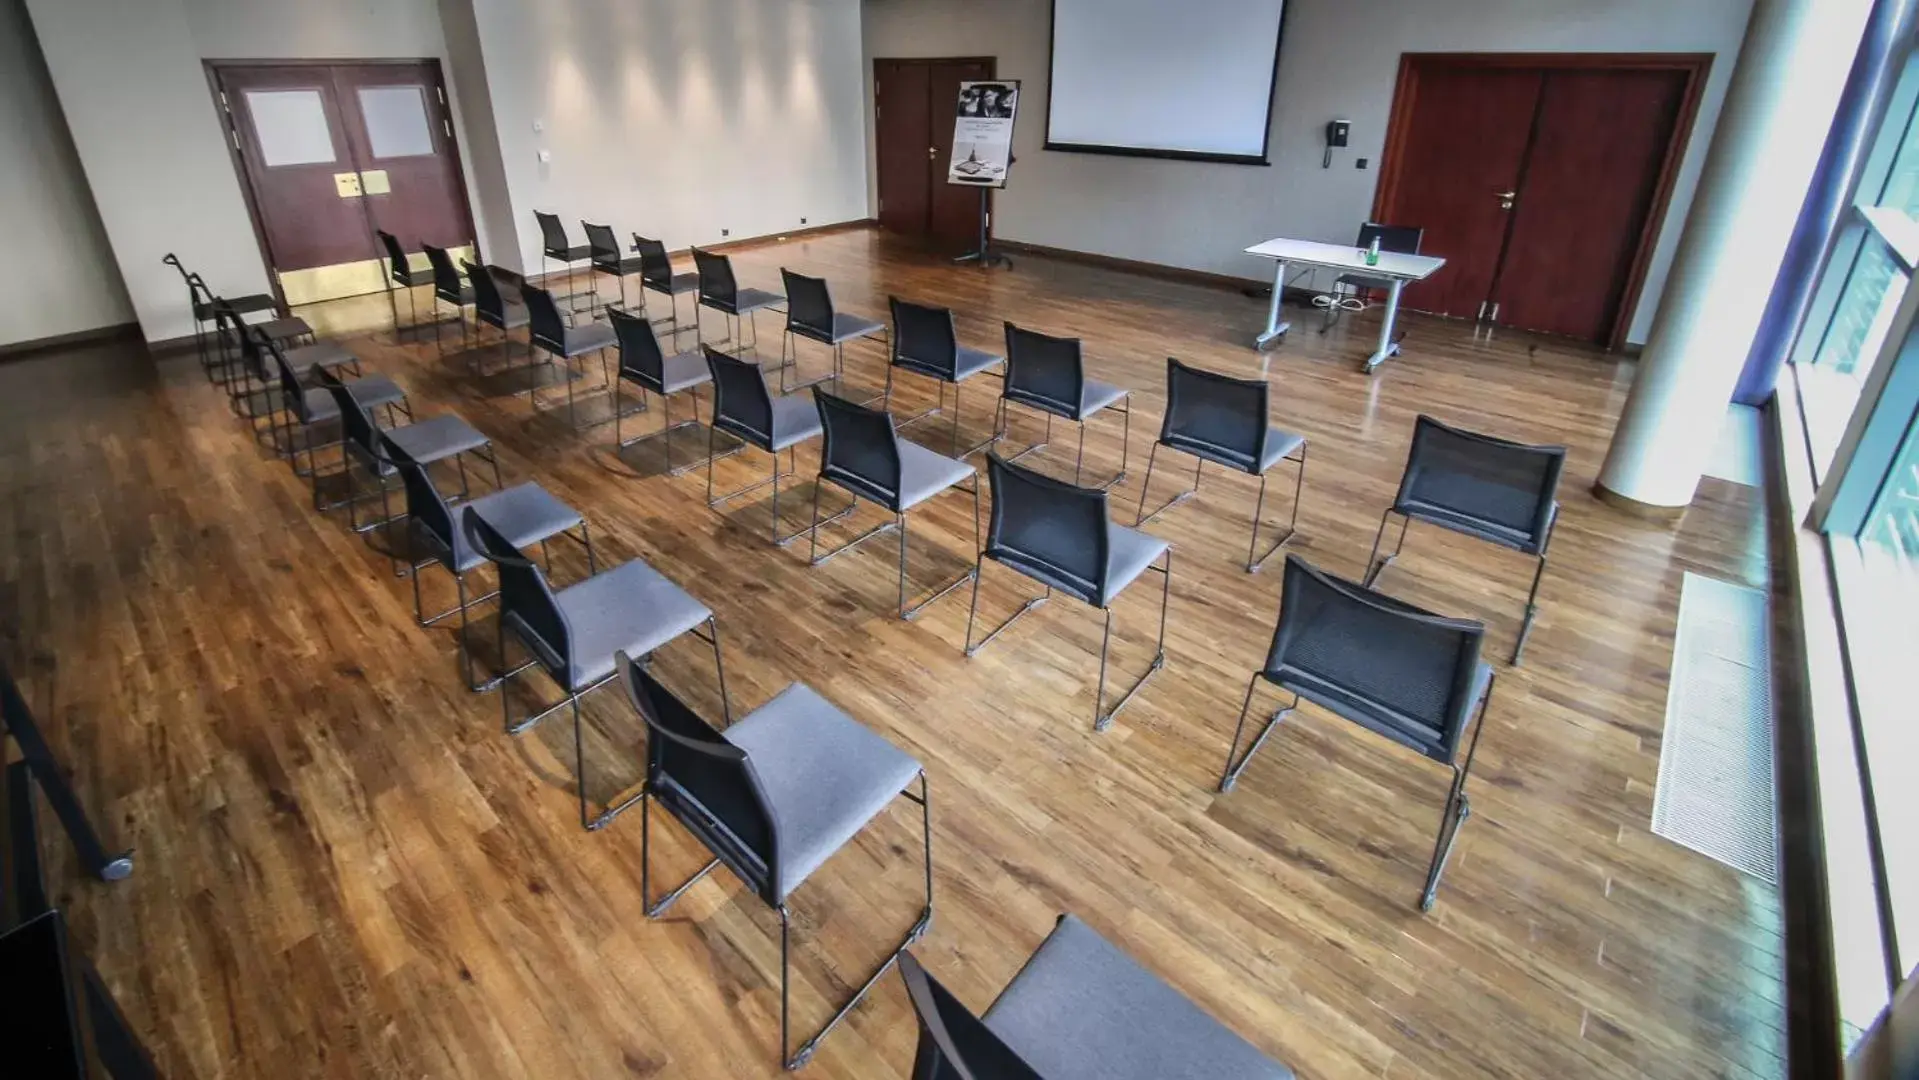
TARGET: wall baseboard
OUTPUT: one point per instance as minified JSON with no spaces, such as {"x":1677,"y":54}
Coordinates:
{"x":20,"y":349}
{"x":1135,"y":266}
{"x":743,"y":243}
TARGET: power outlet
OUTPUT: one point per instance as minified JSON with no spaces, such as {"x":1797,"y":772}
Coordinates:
{"x":802,"y":221}
{"x":726,"y":232}
{"x":1359,"y":164}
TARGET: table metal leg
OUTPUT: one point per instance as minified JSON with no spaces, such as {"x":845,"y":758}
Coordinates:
{"x":1388,"y":348}
{"x":1275,"y":329}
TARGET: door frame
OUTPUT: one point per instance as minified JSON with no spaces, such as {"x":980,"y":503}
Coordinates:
{"x":1695,"y":66}
{"x":223,"y":112}
{"x":992,"y":72}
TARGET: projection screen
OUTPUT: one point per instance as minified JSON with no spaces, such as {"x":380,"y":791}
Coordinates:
{"x":1164,"y":78}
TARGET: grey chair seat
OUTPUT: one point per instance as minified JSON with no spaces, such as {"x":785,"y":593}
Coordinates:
{"x":513,"y":315}
{"x":1083,"y":1010}
{"x":1279,"y":443}
{"x":435,"y":439}
{"x":924,"y":474}
{"x":1096,"y":395}
{"x":465,"y":296}
{"x":680,"y":283}
{"x":592,"y":337}
{"x":278,"y":330}
{"x":845,"y":328}
{"x":576,"y":253}
{"x":825,"y":775}
{"x":795,"y":420}
{"x":1128,"y":553}
{"x":241,"y":305}
{"x":683,"y":371}
{"x":746,"y":300}
{"x":524,"y":514}
{"x":631,"y":609}
{"x":624,"y":267}
{"x":372,"y":391}
{"x":323,"y":355}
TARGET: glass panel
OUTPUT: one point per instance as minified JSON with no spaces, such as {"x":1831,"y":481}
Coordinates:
{"x":291,"y":126}
{"x":1865,"y":310}
{"x":1893,"y":523}
{"x":396,"y":121}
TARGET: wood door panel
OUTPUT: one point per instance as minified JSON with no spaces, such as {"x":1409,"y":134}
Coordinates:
{"x":1464,"y":144}
{"x":426,"y":197}
{"x":902,"y":132}
{"x":1591,"y":182}
{"x":307,"y":223}
{"x":954,"y":214}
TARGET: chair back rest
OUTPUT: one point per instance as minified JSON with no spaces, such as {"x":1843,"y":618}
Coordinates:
{"x":553,"y":235}
{"x":861,"y":448}
{"x":1043,"y":370}
{"x":446,"y":279}
{"x":259,"y":351}
{"x":717,"y":285}
{"x":656,"y":266}
{"x":954,"y":1044}
{"x":1508,"y":485}
{"x":174,"y":261}
{"x":197,"y":288}
{"x":427,"y":508}
{"x":526,"y":603}
{"x":1049,"y":529}
{"x":641,"y":358}
{"x":1221,"y":413}
{"x":356,"y":422}
{"x":706,"y":782}
{"x":1404,"y":239}
{"x":604,"y":246}
{"x":487,"y":301}
{"x":924,"y":338}
{"x":397,"y":265}
{"x":544,"y":326}
{"x":741,"y":404}
{"x":1382,"y":663}
{"x":809,"y":305}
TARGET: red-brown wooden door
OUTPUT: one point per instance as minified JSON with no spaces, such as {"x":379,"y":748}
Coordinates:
{"x":916,"y":102}
{"x":953,"y":220}
{"x":402,"y":132}
{"x":293,"y":147}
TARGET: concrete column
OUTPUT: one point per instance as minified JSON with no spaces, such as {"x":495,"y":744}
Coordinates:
{"x":1779,"y":106}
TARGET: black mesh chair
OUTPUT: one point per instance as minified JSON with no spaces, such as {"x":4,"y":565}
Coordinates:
{"x":577,"y":634}
{"x":503,"y":313}
{"x":440,"y":438}
{"x":1060,"y":536}
{"x":773,"y":797}
{"x":306,"y":418}
{"x":547,"y":331}
{"x":447,"y":289}
{"x":285,"y":331}
{"x":1485,"y":487}
{"x":1080,"y":1009}
{"x":201,"y":301}
{"x":1221,"y":419}
{"x":721,"y":291}
{"x":400,"y":275}
{"x":1345,"y":296}
{"x":556,"y":247}
{"x":603,"y":248}
{"x":925,"y":342}
{"x":523,"y":515}
{"x":656,"y":275}
{"x":1393,"y":669}
{"x":645,"y":365}
{"x":744,"y":409}
{"x":247,"y":383}
{"x":1049,"y":374}
{"x":863,"y":455}
{"x":810,"y":314}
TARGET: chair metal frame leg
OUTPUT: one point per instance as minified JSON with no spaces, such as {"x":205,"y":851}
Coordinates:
{"x":1254,"y":560}
{"x":1374,"y":565}
{"x":713,"y":501}
{"x":1141,"y":517}
{"x":899,"y":522}
{"x":1230,"y":777}
{"x":1458,"y":808}
{"x":979,"y":572}
{"x":1102,"y":716}
{"x":1532,"y":601}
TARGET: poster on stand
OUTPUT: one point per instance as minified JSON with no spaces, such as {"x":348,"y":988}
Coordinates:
{"x":983,"y":133}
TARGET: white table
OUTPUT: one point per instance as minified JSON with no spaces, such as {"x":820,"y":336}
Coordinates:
{"x":1342,"y":258}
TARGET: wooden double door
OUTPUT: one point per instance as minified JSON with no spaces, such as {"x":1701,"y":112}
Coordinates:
{"x":329,"y":152}
{"x":915,"y":103}
{"x":1542,"y":179}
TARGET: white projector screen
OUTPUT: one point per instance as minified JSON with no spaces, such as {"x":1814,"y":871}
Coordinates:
{"x":1164,"y":78}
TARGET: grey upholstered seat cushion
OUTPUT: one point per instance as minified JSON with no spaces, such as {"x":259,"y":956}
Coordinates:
{"x":576,"y":253}
{"x":681,"y":283}
{"x":630,"y":608}
{"x":523,"y":515}
{"x":924,"y":474}
{"x":373,"y":391}
{"x":1083,"y":1010}
{"x":971,"y":362}
{"x":326,"y":355}
{"x":627,"y":266}
{"x":795,"y":420}
{"x":848,"y":327}
{"x":1279,"y":443}
{"x":825,"y":775}
{"x":241,"y":305}
{"x":435,"y":439}
{"x":683,"y":371}
{"x":1095,"y":395}
{"x":746,"y":300}
{"x":513,"y":315}
{"x":1128,"y":553}
{"x":465,"y":294}
{"x":592,"y":337}
{"x":278,"y":330}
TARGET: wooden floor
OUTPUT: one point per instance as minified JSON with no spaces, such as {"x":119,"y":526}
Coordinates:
{"x":346,"y":869}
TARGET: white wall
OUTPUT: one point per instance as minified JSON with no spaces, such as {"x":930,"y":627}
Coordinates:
{"x":1338,"y":59}
{"x":678,"y":118}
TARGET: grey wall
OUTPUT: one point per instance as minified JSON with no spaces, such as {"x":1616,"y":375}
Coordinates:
{"x":1338,"y":59}
{"x":58,"y":276}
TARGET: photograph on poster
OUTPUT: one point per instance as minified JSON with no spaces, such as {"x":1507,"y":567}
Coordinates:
{"x":983,"y":133}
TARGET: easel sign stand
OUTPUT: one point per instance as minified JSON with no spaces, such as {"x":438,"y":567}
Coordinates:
{"x":983,"y":152}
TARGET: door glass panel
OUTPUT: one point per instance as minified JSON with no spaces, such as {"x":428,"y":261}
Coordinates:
{"x":396,"y":121}
{"x":291,"y":127}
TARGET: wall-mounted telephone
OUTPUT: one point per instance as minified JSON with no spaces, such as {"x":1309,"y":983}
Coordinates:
{"x":1337,"y":132}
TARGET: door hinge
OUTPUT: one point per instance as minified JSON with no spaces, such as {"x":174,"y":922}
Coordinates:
{"x":1494,"y":317}
{"x":223,"y":101}
{"x":440,"y":92}
{"x":235,"y":135}
{"x":882,"y":204}
{"x":1481,"y":317}
{"x":447,"y":126}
